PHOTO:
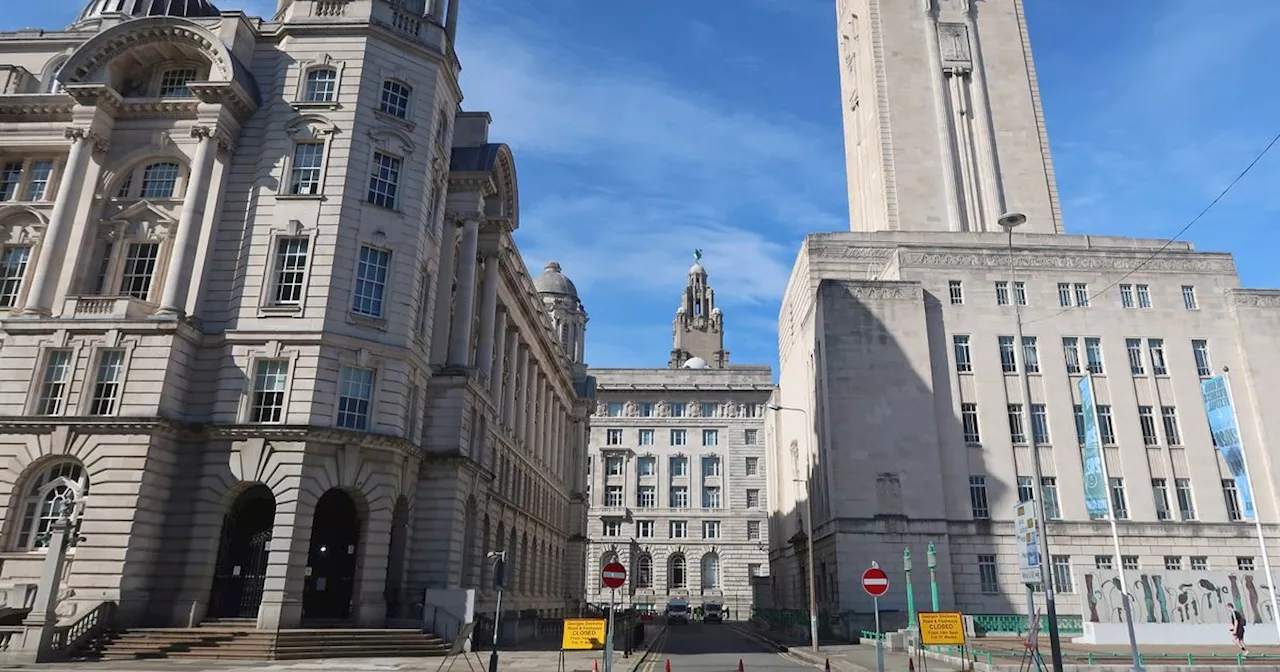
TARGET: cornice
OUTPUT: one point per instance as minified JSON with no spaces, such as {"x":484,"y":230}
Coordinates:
{"x":1254,"y":298}
{"x":36,"y":108}
{"x":27,"y":424}
{"x":871,"y":290}
{"x":1073,"y":260}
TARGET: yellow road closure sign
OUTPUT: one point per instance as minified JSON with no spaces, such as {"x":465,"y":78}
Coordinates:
{"x":941,"y":627}
{"x":583,"y":634}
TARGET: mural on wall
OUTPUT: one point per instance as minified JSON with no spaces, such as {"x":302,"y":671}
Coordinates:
{"x":1178,"y":596}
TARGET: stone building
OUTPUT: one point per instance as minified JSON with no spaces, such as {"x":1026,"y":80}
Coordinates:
{"x":676,"y":469}
{"x":264,"y":329}
{"x":898,"y":338}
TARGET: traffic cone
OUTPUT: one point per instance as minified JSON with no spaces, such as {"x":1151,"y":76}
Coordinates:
{"x":828,"y":666}
{"x":668,"y":665}
{"x":911,"y":665}
{"x":595,"y":666}
{"x":740,"y":665}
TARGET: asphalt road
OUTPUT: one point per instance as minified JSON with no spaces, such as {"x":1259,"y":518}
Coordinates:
{"x":715,"y":647}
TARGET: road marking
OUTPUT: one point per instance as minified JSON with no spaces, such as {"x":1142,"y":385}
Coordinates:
{"x":655,"y":650}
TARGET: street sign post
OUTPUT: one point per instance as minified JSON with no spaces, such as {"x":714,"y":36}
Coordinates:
{"x":613,"y":575}
{"x":876,"y":583}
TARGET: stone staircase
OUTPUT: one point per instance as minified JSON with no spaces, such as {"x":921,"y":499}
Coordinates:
{"x":236,"y":641}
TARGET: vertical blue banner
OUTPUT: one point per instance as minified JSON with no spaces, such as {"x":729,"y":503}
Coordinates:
{"x":1095,"y":468}
{"x":1226,"y":436}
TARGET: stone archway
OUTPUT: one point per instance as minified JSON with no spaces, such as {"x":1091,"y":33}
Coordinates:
{"x":332,"y":558}
{"x":241,"y":569}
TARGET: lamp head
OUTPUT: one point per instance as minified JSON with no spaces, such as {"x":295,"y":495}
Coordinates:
{"x":1012,"y":220}
{"x":774,"y":407}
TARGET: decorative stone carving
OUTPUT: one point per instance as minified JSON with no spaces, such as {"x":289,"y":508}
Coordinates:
{"x":662,"y":409}
{"x":630,"y":409}
{"x":837,"y":251}
{"x":734,"y":410}
{"x":953,"y":42}
{"x":871,"y":291}
{"x":602,"y":409}
{"x":694,"y":410}
{"x":1070,"y":260}
{"x":1255,"y":298}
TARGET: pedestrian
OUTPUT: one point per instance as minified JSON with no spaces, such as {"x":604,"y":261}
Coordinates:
{"x":1237,"y":629}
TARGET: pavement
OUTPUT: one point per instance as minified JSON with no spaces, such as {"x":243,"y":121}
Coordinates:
{"x":718,"y":647}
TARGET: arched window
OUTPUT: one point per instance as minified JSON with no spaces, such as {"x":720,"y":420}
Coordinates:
{"x":676,"y":572}
{"x":159,"y":180}
{"x":710,"y":571}
{"x":395,"y":99}
{"x":56,"y":487}
{"x":644,"y":571}
{"x":51,"y":83}
{"x":321,"y":86}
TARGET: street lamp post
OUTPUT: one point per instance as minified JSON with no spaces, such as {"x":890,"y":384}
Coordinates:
{"x":813,"y":593}
{"x":933,"y":575}
{"x":911,"y":597}
{"x":499,"y":581}
{"x":1009,"y":222}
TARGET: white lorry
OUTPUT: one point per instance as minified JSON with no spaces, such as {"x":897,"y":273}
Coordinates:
{"x":678,"y":611}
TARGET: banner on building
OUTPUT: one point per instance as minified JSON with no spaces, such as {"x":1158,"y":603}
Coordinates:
{"x":1095,"y":466}
{"x":1226,"y":436}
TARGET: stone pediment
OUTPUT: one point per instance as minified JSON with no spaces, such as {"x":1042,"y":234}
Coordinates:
{"x":143,"y":220}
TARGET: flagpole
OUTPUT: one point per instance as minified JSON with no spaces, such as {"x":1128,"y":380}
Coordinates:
{"x":1257,"y":514}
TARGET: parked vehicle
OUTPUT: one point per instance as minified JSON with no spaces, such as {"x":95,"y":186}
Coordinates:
{"x":678,"y":611}
{"x":712,"y":612}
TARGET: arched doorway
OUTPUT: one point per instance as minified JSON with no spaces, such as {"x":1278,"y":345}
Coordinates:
{"x":331,"y":560}
{"x":241,"y":568}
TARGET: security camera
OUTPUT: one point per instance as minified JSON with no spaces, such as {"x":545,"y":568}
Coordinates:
{"x":1010,"y":220}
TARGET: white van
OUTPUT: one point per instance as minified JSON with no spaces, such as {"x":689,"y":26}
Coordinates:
{"x":713,"y":612}
{"x":678,"y":611}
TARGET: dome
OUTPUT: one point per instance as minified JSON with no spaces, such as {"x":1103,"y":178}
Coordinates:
{"x":141,"y":8}
{"x":695,"y":363}
{"x":552,"y":281}
{"x":697,"y":269}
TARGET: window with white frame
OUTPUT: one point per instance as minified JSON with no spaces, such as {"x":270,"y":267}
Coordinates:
{"x":10,"y":179}
{"x":173,"y":82}
{"x":138,"y":270}
{"x":1126,"y":296}
{"x":710,"y":409}
{"x":355,"y":397}
{"x":614,"y":409}
{"x":1186,"y":502}
{"x":1147,"y":421}
{"x":1082,"y":294}
{"x":647,"y":465}
{"x":52,"y":395}
{"x":679,"y":497}
{"x":420,"y":323}
{"x":1008,"y":357}
{"x":644,"y":530}
{"x":320,"y":85}
{"x":1172,"y":432}
{"x":1026,"y":489}
{"x":1144,"y":296}
{"x":678,"y":529}
{"x":678,"y":409}
{"x":1199,"y":563}
{"x":646,"y":437}
{"x":613,"y":496}
{"x":51,"y":491}
{"x":27,"y":179}
{"x":679,"y":466}
{"x":964,"y":358}
{"x":646,"y":410}
{"x":1160,"y":494}
{"x":711,"y":498}
{"x":679,"y":437}
{"x":290,"y":271}
{"x":1244,"y":563}
{"x":955,"y":289}
{"x":752,"y":466}
{"x":1093,"y":355}
{"x":1106,"y":428}
{"x":1231,"y":494}
{"x":1017,"y":433}
{"x":1133,"y":346}
{"x":1173,"y":563}
{"x":1020,"y":292}
{"x":710,"y":529}
{"x":969,"y":422}
{"x":614,"y":466}
{"x":753,"y":498}
{"x":1119,"y":500}
{"x":1155,"y":347}
{"x":1040,"y":424}
{"x":753,"y":530}
{"x":395,"y":99}
{"x":1002,"y":292}
{"x":612,"y":528}
{"x":158,"y":180}
{"x":1064,"y":294}
{"x":1104,"y":561}
{"x":750,"y":437}
{"x":988,"y":575}
{"x":384,"y":180}
{"x":646,"y":496}
{"x":1129,"y":562}
{"x":13,"y":269}
{"x":371,"y":281}
{"x":106,"y":383}
{"x":1200,"y":348}
{"x":305,"y":168}
{"x":1049,"y":489}
{"x":1030,"y":354}
{"x":1189,"y":297}
{"x":613,"y":437}
{"x":1071,"y":353}
{"x":978,"y":497}
{"x":270,"y":382}
{"x":1062,"y":574}
{"x":710,"y":466}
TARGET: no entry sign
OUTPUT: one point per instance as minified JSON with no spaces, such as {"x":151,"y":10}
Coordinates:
{"x":875,"y":582}
{"x":614,"y":575}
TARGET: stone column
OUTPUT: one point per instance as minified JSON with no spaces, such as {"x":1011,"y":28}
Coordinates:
{"x":42,"y":622}
{"x":451,"y":22}
{"x":535,"y":410}
{"x":174,"y":300}
{"x":437,"y":10}
{"x":526,"y":387}
{"x":580,"y":354}
{"x":497,"y":390}
{"x":445,"y":286}
{"x":488,"y":317}
{"x":509,"y":392}
{"x":53,"y":242}
{"x":465,"y":310}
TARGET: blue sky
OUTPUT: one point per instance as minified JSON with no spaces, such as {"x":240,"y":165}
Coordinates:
{"x":643,"y":130}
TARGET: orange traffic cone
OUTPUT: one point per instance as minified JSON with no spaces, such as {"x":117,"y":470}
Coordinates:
{"x":595,"y":666}
{"x":668,"y":665}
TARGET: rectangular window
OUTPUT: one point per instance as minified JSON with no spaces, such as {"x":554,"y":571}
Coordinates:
{"x":709,"y":409}
{"x":11,"y":177}
{"x":612,"y":528}
{"x":1155,"y":346}
{"x":1064,"y":294}
{"x":710,"y":529}
{"x":613,"y":496}
{"x":1126,"y":296}
{"x":106,"y":384}
{"x":1129,"y":562}
{"x":1040,"y":424}
{"x":613,"y":466}
{"x":710,"y":437}
{"x":753,"y":530}
{"x":1030,"y":354}
{"x":613,"y":437}
{"x":964,"y":363}
{"x":1002,"y":292}
{"x":384,"y":180}
{"x":1020,"y":292}
{"x":1119,"y":502}
{"x":1173,"y":563}
{"x":395,"y":99}
{"x":41,"y":172}
{"x":679,"y":437}
{"x":644,"y":529}
{"x":1199,"y":563}
{"x":1200,"y":348}
{"x":749,"y":410}
{"x":424,"y":297}
{"x":269,"y":384}
{"x":1172,"y":433}
{"x":710,"y":466}
{"x":679,"y":497}
{"x":1244,"y":563}
{"x":13,"y":268}
{"x":291,"y":271}
{"x":1232,"y":497}
{"x":647,"y":466}
{"x":1147,"y":418}
{"x":1189,"y":297}
{"x":678,"y":409}
{"x":956,"y":290}
{"x":679,"y":466}
{"x":308,"y":159}
{"x":679,"y":529}
{"x":1144,"y":296}
{"x":139,"y":267}
{"x":978,"y":498}
{"x":1049,"y":487}
{"x":1026,"y":489}
{"x":1186,"y":503}
{"x":173,"y":83}
{"x":1093,"y":354}
{"x":615,"y":409}
{"x":1017,"y":433}
{"x":1104,"y":561}
{"x":1082,"y":294}
{"x":1079,"y":411}
{"x":750,"y":437}
{"x":711,"y":497}
{"x":1008,"y":361}
{"x":1106,"y":429}
{"x":753,"y":498}
{"x":645,"y":437}
{"x":646,"y":496}
{"x":1071,"y":353}
{"x":988,"y":575}
{"x":1133,"y":346}
{"x":355,"y":397}
{"x":1160,"y":492}
{"x":753,"y":466}
{"x":1062,"y":574}
{"x":969,"y":421}
{"x":371,"y":281}
{"x":53,"y":386}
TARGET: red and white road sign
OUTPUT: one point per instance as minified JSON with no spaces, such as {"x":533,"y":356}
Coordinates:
{"x":875,"y":582}
{"x":614,"y":575}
